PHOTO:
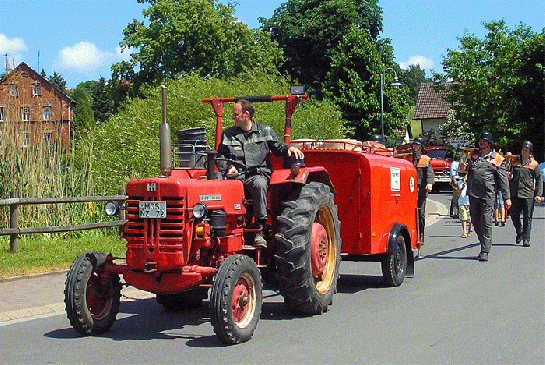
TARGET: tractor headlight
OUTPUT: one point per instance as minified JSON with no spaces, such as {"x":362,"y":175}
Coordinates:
{"x":200,"y":211}
{"x":111,"y":208}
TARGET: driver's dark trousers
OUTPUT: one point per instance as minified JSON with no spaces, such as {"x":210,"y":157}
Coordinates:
{"x":256,"y":187}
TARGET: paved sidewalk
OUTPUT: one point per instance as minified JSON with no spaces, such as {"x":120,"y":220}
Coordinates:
{"x":41,"y":295}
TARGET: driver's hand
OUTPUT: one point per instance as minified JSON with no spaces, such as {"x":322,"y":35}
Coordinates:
{"x":232,"y":170}
{"x":296,"y":152}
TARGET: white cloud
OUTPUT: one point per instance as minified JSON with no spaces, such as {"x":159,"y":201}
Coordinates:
{"x":11,"y":46}
{"x":86,"y":58}
{"x":83,"y":57}
{"x":425,"y":63}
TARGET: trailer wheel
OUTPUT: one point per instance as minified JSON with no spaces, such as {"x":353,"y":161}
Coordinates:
{"x":186,"y":300}
{"x":236,"y":299}
{"x":394,"y":265}
{"x":309,"y":249}
{"x":91,"y":295}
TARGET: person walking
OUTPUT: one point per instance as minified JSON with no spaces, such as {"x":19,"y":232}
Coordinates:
{"x":426,"y":179}
{"x":486,"y":169}
{"x":526,"y":187}
{"x":463,"y":206}
{"x":499,"y":209}
{"x":248,"y":145}
{"x":454,"y":180}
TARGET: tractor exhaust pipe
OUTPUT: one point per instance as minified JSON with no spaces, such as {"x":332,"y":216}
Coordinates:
{"x":165,"y":141}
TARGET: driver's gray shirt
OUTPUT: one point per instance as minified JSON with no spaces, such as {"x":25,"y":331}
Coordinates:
{"x":250,"y":149}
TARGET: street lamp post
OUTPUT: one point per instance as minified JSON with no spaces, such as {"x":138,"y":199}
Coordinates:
{"x":396,"y":84}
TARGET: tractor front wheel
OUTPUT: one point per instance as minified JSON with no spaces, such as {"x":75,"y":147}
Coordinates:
{"x":91,"y":294}
{"x":236,"y":299}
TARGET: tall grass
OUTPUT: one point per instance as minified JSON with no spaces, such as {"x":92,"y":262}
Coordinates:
{"x":45,"y":171}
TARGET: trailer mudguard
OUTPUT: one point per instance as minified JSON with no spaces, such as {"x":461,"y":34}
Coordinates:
{"x":399,"y":229}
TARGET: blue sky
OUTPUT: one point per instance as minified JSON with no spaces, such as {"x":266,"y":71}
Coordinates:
{"x":80,"y":38}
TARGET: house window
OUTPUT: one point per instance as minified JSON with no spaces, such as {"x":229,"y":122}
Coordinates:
{"x":26,"y":139}
{"x":47,"y":113}
{"x":48,"y":138}
{"x":26,"y":113}
{"x":2,"y":113}
{"x":13,"y":90}
{"x":36,"y":89}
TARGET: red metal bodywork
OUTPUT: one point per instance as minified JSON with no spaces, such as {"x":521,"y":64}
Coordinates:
{"x":369,"y":194}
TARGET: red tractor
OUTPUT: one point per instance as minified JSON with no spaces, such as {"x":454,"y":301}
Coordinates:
{"x":188,"y":231}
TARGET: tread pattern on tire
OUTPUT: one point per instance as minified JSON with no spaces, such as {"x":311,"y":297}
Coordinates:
{"x":293,"y":250}
{"x":75,"y":295}
{"x":220,"y":299}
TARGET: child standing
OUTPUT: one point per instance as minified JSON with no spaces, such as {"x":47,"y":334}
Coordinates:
{"x":463,"y":206}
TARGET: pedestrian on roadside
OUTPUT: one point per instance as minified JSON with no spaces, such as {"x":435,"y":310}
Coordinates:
{"x":463,"y":206}
{"x":454,"y":178}
{"x":526,"y":188}
{"x":486,"y":169}
{"x":425,"y":182}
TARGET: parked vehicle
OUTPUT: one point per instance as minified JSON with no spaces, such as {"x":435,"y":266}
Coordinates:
{"x":441,"y":159}
{"x":188,"y":231}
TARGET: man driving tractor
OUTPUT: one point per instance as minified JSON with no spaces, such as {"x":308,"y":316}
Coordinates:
{"x":245,"y":150}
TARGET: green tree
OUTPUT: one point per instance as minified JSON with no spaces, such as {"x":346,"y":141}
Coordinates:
{"x":412,"y":78}
{"x":191,"y":36}
{"x":354,"y":84}
{"x":309,"y":32}
{"x":83,"y":119}
{"x":499,"y":84}
{"x":58,"y":81}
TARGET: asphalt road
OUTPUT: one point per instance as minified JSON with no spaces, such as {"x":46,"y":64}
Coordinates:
{"x":456,"y":310}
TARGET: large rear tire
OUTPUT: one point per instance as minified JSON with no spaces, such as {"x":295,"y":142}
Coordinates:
{"x":91,"y":295}
{"x":308,"y":253}
{"x":236,"y":299}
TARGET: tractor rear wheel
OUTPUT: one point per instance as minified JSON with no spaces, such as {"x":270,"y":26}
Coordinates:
{"x":308,"y":252}
{"x":91,"y":295}
{"x":394,"y":264}
{"x":189,"y":299}
{"x":236,"y":299}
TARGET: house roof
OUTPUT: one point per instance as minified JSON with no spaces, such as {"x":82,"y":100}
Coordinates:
{"x":36,"y":75}
{"x":430,"y":104}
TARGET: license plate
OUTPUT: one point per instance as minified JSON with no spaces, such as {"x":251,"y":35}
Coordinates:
{"x":152,"y":209}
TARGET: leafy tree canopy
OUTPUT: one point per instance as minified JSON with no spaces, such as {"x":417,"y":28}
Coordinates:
{"x":309,"y":32}
{"x":499,"y":84}
{"x":83,"y":119}
{"x":58,"y":81}
{"x":192,"y":36}
{"x":354,"y":84}
{"x":412,"y":78}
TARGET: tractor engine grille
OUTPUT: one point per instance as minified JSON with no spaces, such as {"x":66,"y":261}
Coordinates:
{"x":154,"y":240}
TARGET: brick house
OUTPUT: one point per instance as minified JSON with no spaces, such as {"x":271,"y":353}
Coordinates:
{"x":431,"y":109}
{"x":32,"y":110}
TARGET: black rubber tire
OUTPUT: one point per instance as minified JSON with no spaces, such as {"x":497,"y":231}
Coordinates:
{"x":394,"y":264}
{"x":190,"y":299}
{"x":236,"y":272}
{"x":91,"y":307}
{"x":303,"y":292}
